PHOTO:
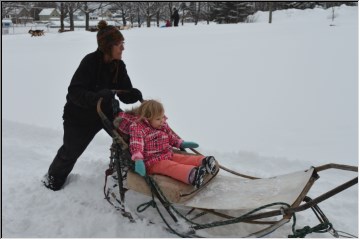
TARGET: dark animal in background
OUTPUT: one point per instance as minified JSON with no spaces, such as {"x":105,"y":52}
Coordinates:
{"x":35,"y":33}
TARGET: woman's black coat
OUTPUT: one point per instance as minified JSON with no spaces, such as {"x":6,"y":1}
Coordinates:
{"x":93,"y":75}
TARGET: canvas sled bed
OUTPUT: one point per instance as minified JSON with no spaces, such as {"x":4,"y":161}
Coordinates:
{"x":227,"y":198}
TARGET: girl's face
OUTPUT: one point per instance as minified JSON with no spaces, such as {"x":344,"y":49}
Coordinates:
{"x":117,"y":50}
{"x":158,"y":121}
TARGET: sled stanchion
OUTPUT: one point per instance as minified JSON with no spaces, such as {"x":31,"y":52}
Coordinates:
{"x":118,"y":152}
{"x":325,"y":196}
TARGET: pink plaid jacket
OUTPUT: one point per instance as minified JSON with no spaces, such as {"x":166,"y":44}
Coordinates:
{"x":147,"y":143}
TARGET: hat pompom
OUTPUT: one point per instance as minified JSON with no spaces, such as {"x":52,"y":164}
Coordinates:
{"x":102,"y":24}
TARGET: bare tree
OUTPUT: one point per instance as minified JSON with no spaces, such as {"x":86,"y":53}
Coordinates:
{"x":194,"y":10}
{"x":161,"y":13}
{"x":148,"y":10}
{"x":132,"y":13}
{"x":7,"y":8}
{"x":183,"y":7}
{"x":90,"y":7}
{"x":71,"y":7}
{"x":206,"y":11}
{"x":46,"y":4}
{"x":125,"y":9}
{"x":138,"y":14}
{"x":63,"y":14}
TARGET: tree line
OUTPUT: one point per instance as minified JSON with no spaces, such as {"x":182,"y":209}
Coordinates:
{"x":145,"y":13}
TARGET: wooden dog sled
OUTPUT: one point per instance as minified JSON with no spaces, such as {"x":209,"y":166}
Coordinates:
{"x":270,"y":202}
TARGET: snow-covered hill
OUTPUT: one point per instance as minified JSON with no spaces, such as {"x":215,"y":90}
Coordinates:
{"x":264,"y":99}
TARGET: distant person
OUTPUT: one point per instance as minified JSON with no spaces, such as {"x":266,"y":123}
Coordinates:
{"x":151,"y":142}
{"x":98,"y":74}
{"x":175,"y":17}
{"x":168,"y":23}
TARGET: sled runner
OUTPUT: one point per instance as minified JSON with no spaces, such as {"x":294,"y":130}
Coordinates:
{"x":224,"y":199}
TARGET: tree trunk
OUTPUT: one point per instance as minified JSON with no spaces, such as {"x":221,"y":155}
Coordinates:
{"x":87,"y":17}
{"x":270,"y":11}
{"x":71,"y":17}
{"x":132,"y":20}
{"x":87,"y":20}
{"x":123,"y":17}
{"x":158,"y":19}
{"x":197,"y":16}
{"x":182,"y":18}
{"x":62,"y":16}
{"x":148,"y":21}
{"x":139,"y":20}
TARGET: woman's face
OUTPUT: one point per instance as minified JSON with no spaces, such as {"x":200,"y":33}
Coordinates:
{"x":158,"y":121}
{"x":117,"y":50}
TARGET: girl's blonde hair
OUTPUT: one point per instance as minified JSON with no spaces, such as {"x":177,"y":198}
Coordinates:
{"x":149,"y":109}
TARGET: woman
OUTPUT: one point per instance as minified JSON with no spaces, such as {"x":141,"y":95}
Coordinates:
{"x":98,"y":75}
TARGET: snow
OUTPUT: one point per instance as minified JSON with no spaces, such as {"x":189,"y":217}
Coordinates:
{"x":264,"y":99}
{"x":46,"y":11}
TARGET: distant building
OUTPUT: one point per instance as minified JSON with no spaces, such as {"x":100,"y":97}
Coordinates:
{"x":19,"y":16}
{"x":5,"y":25}
{"x":48,"y":13}
{"x":93,"y":16}
{"x":34,"y":13}
{"x":79,"y":15}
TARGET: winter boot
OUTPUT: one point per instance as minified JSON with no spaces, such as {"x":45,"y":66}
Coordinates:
{"x":199,"y":176}
{"x":51,"y":183}
{"x":210,"y":164}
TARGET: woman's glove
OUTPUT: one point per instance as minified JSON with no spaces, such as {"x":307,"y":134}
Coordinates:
{"x":186,"y":144}
{"x":140,"y":167}
{"x":130,"y":96}
{"x":106,"y":94}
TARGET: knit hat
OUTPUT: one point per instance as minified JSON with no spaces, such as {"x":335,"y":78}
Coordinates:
{"x":107,"y":36}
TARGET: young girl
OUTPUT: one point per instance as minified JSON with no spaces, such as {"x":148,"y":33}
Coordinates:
{"x":151,"y":143}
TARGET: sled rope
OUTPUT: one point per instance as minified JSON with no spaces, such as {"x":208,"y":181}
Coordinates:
{"x":142,"y":207}
{"x":163,"y":218}
{"x":320,"y":228}
{"x":324,"y":226}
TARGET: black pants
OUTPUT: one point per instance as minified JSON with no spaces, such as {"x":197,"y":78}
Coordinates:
{"x":76,"y":138}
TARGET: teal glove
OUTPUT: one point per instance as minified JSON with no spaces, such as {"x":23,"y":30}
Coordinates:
{"x":140,"y":167}
{"x":185,"y":144}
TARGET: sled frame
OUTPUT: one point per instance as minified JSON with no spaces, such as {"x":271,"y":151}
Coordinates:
{"x":120,"y":159}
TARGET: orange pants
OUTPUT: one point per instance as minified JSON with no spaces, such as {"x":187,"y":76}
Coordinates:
{"x":179,"y":167}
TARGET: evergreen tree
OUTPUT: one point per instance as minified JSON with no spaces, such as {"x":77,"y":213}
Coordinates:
{"x":231,"y":12}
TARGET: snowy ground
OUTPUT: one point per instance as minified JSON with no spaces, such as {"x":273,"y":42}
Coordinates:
{"x":264,"y":99}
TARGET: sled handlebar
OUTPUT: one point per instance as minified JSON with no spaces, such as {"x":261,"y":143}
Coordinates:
{"x":110,"y":127}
